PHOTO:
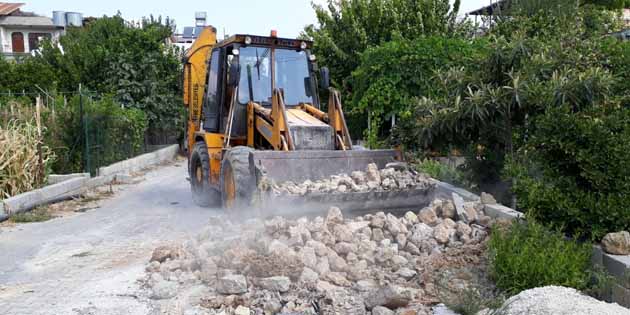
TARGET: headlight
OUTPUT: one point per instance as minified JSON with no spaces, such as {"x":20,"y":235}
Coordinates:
{"x":312,"y":57}
{"x":303,"y":45}
{"x":248,"y":40}
{"x":236,"y":52}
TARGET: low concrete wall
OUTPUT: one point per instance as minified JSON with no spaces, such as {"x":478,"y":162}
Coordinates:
{"x":48,"y":194}
{"x":140,"y":162}
{"x":77,"y":184}
{"x":56,"y":178}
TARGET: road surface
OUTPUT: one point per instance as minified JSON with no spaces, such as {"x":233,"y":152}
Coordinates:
{"x":90,"y":263}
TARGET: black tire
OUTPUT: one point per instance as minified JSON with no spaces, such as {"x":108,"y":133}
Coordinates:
{"x":235,"y":170}
{"x":203,"y":193}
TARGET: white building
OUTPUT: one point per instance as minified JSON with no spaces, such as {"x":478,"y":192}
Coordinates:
{"x":185,"y":39}
{"x":21,"y":32}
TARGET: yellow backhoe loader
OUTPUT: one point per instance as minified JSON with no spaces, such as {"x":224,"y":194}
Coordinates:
{"x":254,"y":113}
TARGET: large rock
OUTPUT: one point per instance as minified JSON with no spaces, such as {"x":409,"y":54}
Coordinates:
{"x":448,"y":210}
{"x":333,"y":217}
{"x":163,"y":290}
{"x":345,"y":248}
{"x":411,"y":217}
{"x":458,"y":201}
{"x":378,"y":220}
{"x":242,"y":310}
{"x":162,"y":253}
{"x":340,"y":301}
{"x":442,"y":233}
{"x":232,"y":284}
{"x":470,"y":213}
{"x":373,"y":173}
{"x":393,"y":225}
{"x":279,"y":284}
{"x":342,"y":233}
{"x":428,"y":216}
{"x":308,"y":257}
{"x":337,"y":263}
{"x":390,"y":296}
{"x":309,"y":277}
{"x":208,"y":272}
{"x":380,"y":310}
{"x":617,"y":243}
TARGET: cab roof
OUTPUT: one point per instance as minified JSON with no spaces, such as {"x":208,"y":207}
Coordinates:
{"x":265,"y":41}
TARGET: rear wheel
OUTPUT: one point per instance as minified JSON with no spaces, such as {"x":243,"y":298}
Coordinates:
{"x":237,"y":181}
{"x":202,"y":192}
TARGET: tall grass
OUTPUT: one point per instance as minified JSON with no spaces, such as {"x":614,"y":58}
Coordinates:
{"x":19,"y":158}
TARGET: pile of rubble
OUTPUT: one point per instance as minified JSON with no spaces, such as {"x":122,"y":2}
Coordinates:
{"x":394,"y":177}
{"x":376,"y":263}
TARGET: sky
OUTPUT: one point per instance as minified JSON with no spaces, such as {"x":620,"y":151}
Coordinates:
{"x":288,"y":17}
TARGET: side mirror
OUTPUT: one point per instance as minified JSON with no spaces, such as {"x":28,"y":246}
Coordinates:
{"x":324,"y":82}
{"x":234,"y":75}
{"x":307,"y":86}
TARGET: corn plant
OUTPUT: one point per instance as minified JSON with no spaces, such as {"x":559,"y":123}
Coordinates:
{"x":20,"y":165}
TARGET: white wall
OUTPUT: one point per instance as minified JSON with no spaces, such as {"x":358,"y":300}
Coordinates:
{"x":5,"y":37}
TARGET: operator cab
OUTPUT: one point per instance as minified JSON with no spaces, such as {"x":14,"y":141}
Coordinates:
{"x":248,"y":68}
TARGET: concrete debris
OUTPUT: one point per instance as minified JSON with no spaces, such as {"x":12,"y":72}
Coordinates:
{"x":162,"y":253}
{"x":389,"y":296}
{"x":373,"y":179}
{"x":558,"y":300}
{"x":380,"y":263}
{"x":232,"y":284}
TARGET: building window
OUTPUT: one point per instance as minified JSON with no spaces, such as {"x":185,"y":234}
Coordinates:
{"x":34,"y":39}
{"x":17,"y":40}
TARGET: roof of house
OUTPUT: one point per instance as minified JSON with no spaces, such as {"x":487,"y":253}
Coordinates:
{"x":27,"y":21}
{"x":7,"y":8}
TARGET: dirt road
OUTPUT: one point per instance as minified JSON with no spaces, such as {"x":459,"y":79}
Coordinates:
{"x":90,"y":263}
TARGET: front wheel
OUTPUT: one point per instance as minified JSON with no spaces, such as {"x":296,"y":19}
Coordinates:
{"x":199,"y":169}
{"x":237,"y":180}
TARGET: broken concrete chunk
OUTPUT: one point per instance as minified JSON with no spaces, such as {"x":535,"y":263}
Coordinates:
{"x":428,"y":216}
{"x":309,"y":277}
{"x":340,"y":301}
{"x":232,"y":284}
{"x":279,"y":284}
{"x":380,"y":310}
{"x":164,"y":290}
{"x":334,"y":217}
{"x":162,"y":253}
{"x":390,"y":296}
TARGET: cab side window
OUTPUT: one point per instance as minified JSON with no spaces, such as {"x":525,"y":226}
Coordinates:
{"x":211,"y":123}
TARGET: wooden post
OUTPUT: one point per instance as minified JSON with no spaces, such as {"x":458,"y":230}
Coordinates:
{"x":38,"y":121}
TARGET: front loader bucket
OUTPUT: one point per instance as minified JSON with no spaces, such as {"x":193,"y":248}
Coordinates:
{"x":299,"y":166}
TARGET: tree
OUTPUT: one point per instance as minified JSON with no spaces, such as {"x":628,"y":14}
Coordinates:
{"x":130,"y":61}
{"x":348,"y":27}
{"x":548,"y":108}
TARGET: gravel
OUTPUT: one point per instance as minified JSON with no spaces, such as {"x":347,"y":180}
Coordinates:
{"x":554,"y":300}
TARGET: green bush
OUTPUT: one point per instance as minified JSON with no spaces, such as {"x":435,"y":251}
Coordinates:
{"x":392,"y":75}
{"x":528,"y":255}
{"x":574,"y":172}
{"x":114,"y":133}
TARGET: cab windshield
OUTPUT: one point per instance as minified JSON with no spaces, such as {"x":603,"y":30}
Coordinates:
{"x":291,"y":73}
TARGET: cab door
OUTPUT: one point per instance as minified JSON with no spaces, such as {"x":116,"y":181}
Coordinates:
{"x":212,"y":101}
